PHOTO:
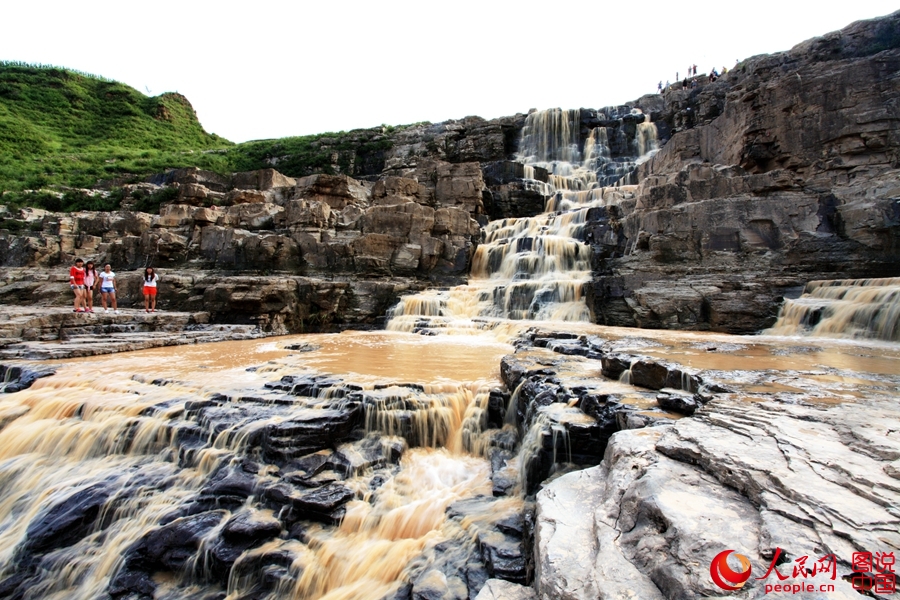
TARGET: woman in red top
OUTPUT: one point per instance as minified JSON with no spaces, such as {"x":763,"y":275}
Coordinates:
{"x":76,"y":282}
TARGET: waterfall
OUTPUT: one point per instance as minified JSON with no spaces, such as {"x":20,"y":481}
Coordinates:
{"x":536,"y":267}
{"x":851,"y":308}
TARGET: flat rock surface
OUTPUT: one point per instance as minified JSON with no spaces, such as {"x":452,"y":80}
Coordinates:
{"x":39,"y":333}
{"x":749,"y":477}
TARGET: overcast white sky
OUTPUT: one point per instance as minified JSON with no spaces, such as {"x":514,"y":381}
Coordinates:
{"x":268,"y":69}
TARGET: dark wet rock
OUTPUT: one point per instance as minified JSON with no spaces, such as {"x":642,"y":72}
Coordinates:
{"x":369,"y":453}
{"x":15,"y":587}
{"x":649,"y":374}
{"x":504,"y":558}
{"x":434,"y":585}
{"x":500,"y":539}
{"x":304,"y":385}
{"x":615,"y":364}
{"x":232,"y":481}
{"x":504,"y":476}
{"x":251,"y":526}
{"x":404,"y":592}
{"x":600,"y":406}
{"x":302,"y":347}
{"x":513,"y":368}
{"x":496,"y":410}
{"x":166,"y":548}
{"x":14,"y":378}
{"x":68,"y":520}
{"x":171,"y":545}
{"x":323,"y":501}
{"x":266,"y":569}
{"x":685,"y":405}
{"x":323,"y":504}
{"x":307,"y":431}
{"x":128,"y":585}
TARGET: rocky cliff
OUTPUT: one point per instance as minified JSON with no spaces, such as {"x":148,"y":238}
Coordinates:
{"x":261,"y":247}
{"x":783,"y":170}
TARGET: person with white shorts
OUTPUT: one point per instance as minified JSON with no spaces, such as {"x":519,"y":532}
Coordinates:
{"x":108,"y":288}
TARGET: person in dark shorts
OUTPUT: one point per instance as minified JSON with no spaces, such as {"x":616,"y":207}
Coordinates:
{"x":76,"y":282}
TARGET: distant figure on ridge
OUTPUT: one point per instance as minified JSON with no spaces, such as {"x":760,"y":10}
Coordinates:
{"x":76,"y":282}
{"x":150,"y":280}
{"x":108,"y":288}
{"x":695,"y":70}
{"x":659,"y":87}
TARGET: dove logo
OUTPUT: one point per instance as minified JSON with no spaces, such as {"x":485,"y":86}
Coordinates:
{"x":724,"y":576}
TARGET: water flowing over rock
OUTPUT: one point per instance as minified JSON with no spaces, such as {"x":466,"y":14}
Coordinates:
{"x":855,"y":308}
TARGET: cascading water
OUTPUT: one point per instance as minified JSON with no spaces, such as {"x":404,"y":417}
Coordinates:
{"x":141,"y":477}
{"x":536,"y":267}
{"x":110,"y":485}
{"x":853,"y":308}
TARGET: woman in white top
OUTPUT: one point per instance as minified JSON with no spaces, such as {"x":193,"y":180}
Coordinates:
{"x":150,"y":279}
{"x":108,"y":288}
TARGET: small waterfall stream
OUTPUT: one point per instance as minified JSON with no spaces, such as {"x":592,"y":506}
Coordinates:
{"x":852,"y":308}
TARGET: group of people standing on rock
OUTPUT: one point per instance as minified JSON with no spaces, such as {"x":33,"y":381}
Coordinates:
{"x":692,"y":83}
{"x":84,"y":280}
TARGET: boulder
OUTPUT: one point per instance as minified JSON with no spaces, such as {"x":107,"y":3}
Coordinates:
{"x":499,"y":589}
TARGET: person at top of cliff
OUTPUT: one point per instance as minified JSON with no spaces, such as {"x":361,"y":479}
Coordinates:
{"x":108,"y":288}
{"x":695,"y":70}
{"x":659,"y":87}
{"x":76,"y":282}
{"x":90,"y":284}
{"x":150,"y":280}
{"x":684,"y":84}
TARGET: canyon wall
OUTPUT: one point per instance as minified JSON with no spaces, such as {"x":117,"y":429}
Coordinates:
{"x":782,"y":170}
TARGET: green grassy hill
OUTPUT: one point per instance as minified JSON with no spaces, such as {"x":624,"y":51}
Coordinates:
{"x":60,"y":127}
{"x":65,"y":129}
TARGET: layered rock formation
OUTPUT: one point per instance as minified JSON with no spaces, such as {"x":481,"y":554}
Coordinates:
{"x":781,"y":171}
{"x":263,"y":248}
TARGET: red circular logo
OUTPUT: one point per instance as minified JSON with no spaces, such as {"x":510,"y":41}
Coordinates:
{"x":724,"y":576}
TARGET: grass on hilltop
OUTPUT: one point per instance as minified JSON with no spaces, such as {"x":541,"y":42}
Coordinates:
{"x":62,"y":129}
